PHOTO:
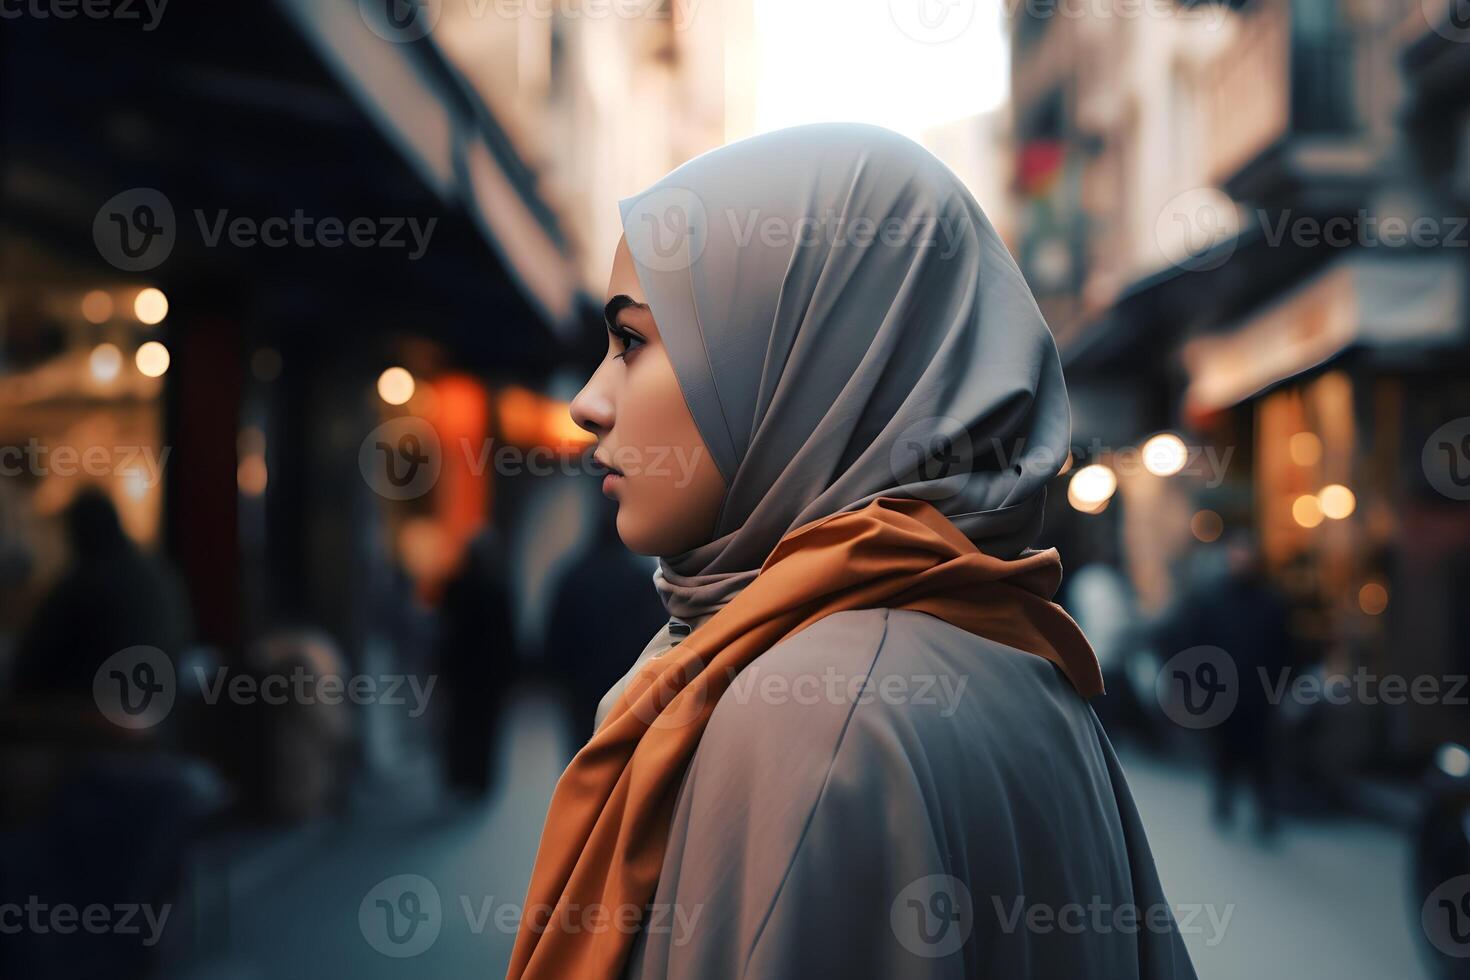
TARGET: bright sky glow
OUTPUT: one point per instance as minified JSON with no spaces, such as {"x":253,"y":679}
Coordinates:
{"x":904,"y":64}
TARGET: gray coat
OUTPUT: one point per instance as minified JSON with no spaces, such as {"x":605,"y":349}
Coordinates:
{"x":963,"y":815}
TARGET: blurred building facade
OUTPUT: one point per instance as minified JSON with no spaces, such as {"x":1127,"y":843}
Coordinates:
{"x":238,"y":397}
{"x":1245,"y":224}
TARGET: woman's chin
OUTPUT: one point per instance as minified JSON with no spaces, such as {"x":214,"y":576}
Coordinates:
{"x":646,"y":531}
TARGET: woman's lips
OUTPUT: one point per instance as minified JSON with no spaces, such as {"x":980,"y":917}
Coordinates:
{"x":612,"y":479}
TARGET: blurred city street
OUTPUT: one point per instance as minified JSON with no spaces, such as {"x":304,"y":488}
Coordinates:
{"x":1328,"y":898}
{"x":317,"y":337}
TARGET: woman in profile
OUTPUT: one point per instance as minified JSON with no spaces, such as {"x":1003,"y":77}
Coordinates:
{"x":861,"y":745}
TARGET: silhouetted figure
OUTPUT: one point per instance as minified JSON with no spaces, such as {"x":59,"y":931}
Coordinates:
{"x":478,"y":661}
{"x":604,"y":612}
{"x":106,"y":819}
{"x":1241,"y":613}
{"x":111,"y":597}
{"x":1102,"y":601}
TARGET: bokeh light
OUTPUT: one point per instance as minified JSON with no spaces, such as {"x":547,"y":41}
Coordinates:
{"x":1165,"y":454}
{"x":97,"y":306}
{"x":152,"y":359}
{"x":105,"y":362}
{"x":1306,"y":510}
{"x":150,"y":306}
{"x":395,"y":386}
{"x":1337,"y":501}
{"x":1091,"y":488}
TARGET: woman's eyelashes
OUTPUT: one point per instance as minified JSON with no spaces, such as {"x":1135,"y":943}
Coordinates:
{"x":630,"y":340}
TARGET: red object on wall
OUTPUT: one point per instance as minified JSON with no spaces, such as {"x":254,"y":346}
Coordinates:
{"x":1039,"y":165}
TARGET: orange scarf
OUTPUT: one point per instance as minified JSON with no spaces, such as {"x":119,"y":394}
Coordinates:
{"x":603,"y":845}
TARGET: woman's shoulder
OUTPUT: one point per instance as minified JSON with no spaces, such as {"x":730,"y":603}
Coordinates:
{"x":897,"y":679}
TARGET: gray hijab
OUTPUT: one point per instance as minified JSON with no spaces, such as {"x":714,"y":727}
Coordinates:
{"x":845,"y":324}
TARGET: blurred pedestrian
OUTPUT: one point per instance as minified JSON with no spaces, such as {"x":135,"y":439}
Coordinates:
{"x":1239,"y":611}
{"x":112,"y":596}
{"x":603,"y":612}
{"x":478,"y":662}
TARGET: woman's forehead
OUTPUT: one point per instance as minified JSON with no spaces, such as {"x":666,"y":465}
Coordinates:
{"x":624,"y":277}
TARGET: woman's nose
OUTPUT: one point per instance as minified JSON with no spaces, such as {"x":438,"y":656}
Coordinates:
{"x":592,"y":408}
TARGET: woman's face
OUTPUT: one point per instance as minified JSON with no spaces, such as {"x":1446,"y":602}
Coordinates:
{"x":669,"y":491}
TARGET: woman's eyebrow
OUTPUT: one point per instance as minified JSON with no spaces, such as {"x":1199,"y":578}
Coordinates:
{"x":615,"y":306}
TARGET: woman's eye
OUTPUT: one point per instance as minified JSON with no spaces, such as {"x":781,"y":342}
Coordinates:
{"x":630,"y":342}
